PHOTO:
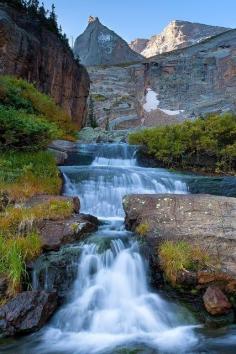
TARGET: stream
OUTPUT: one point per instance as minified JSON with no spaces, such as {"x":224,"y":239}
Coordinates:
{"x":111,"y":307}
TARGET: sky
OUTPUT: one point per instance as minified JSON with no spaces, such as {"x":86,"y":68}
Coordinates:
{"x":141,"y":18}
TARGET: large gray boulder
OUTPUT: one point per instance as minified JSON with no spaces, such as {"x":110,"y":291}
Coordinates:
{"x":99,"y":45}
{"x":205,"y":220}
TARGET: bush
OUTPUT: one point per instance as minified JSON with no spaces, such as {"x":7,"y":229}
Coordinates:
{"x":24,"y":174}
{"x":23,"y":131}
{"x":177,"y":256}
{"x":21,"y":95}
{"x":192,"y":143}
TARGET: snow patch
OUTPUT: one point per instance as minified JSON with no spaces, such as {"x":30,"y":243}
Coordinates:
{"x":152,"y":103}
{"x":104,"y":37}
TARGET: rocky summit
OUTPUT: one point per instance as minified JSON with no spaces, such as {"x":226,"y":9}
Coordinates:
{"x":178,"y":34}
{"x":99,"y":45}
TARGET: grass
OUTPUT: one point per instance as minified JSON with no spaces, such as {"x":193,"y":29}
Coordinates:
{"x":180,"y":255}
{"x":19,"y":95}
{"x":193,"y":143}
{"x":21,"y":220}
{"x":19,"y":239}
{"x":14,"y":253}
{"x":24,"y":174}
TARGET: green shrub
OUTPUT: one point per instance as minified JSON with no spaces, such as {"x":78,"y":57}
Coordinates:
{"x":21,"y":95}
{"x":142,"y":229}
{"x":186,"y":144}
{"x":23,"y":131}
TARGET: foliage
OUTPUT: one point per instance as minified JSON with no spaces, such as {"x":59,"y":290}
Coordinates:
{"x":180,"y":255}
{"x":24,"y":131}
{"x":19,"y":95}
{"x":142,"y":229}
{"x":24,"y":174}
{"x":190,"y":143}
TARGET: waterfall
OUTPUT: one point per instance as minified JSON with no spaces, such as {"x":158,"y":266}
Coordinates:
{"x":112,"y":307}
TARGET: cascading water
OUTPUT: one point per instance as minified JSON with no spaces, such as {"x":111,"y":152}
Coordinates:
{"x":110,"y":309}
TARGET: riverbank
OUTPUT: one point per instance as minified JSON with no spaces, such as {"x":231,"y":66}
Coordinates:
{"x":204,"y":145}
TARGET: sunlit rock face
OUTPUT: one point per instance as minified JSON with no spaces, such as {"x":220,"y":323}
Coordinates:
{"x":99,"y":45}
{"x":178,"y":34}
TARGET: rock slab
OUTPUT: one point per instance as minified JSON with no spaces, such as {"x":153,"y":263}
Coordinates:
{"x":27,"y":312}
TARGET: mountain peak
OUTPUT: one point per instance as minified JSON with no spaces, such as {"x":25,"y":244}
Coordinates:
{"x":93,"y":19}
{"x":177,"y":34}
{"x":98,"y":45}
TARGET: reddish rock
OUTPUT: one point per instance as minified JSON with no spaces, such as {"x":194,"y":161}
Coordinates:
{"x":215,"y":301}
{"x":30,"y":51}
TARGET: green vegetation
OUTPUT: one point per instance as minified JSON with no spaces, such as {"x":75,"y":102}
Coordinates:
{"x":142,"y":229}
{"x":34,"y":115}
{"x":180,"y":255}
{"x":24,"y":174}
{"x":99,"y":98}
{"x":19,"y":238}
{"x":208,"y":143}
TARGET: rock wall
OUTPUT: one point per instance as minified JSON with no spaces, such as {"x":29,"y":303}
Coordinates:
{"x":168,"y":88}
{"x":32,"y":52}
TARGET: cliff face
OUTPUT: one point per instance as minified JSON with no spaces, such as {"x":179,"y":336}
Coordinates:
{"x":178,"y":34}
{"x":168,"y":88}
{"x":139,"y":44}
{"x":29,"y":51}
{"x":99,"y":45}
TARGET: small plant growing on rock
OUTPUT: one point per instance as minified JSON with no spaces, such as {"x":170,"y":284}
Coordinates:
{"x":180,"y":255}
{"x":142,"y":229}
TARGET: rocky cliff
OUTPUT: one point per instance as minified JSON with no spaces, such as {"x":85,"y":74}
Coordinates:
{"x":99,"y":45}
{"x":178,"y":34}
{"x":170,"y":87}
{"x":32,"y":52}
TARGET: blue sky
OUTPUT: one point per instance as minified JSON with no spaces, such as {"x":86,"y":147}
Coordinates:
{"x":141,"y":18}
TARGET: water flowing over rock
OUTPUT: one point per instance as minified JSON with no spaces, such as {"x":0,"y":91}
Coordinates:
{"x":98,"y":45}
{"x":27,"y":312}
{"x":30,"y":51}
{"x":178,"y":34}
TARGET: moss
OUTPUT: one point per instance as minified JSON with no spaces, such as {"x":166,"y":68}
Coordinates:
{"x":142,"y":229}
{"x":99,"y":97}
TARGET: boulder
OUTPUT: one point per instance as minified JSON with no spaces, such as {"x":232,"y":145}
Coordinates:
{"x":39,"y":199}
{"x":55,"y":233}
{"x":215,"y":301}
{"x":205,"y":220}
{"x":59,"y":156}
{"x":27,"y":312}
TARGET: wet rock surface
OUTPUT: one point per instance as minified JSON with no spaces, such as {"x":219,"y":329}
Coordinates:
{"x":27,"y":312}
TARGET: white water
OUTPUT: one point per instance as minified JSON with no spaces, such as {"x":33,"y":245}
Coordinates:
{"x":111,"y":306}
